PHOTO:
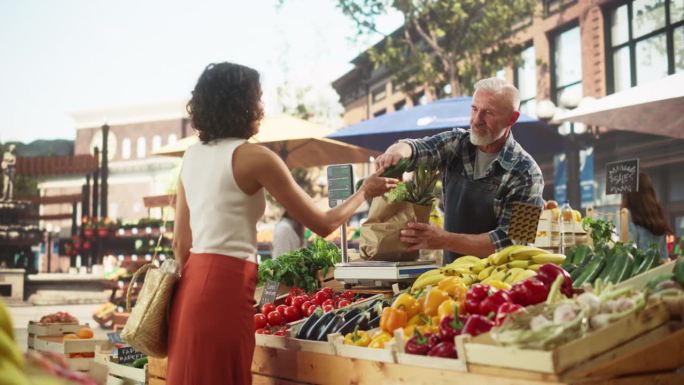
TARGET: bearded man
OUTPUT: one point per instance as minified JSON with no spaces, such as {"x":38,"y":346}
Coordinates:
{"x":484,"y":171}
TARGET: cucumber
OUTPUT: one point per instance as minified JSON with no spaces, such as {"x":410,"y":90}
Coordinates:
{"x":679,"y":270}
{"x":617,"y":268}
{"x":610,"y":262}
{"x":585,"y":261}
{"x":645,"y":264}
{"x":590,"y":272}
{"x":627,"y":269}
{"x":580,"y":254}
{"x":397,"y":170}
{"x":569,"y":268}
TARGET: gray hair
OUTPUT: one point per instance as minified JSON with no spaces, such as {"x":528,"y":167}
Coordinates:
{"x":500,"y":87}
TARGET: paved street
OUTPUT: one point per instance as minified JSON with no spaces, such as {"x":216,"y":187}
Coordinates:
{"x":21,"y":315}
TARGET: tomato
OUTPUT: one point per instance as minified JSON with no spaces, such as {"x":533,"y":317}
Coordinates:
{"x":327,"y":308}
{"x":320,"y":296}
{"x":315,"y":301}
{"x":348,"y":294}
{"x":281,"y":309}
{"x":259,"y":321}
{"x":343,"y":303}
{"x":263,"y":331}
{"x":310,"y":310}
{"x":328,"y":302}
{"x":288,"y":300}
{"x":305,"y":306}
{"x":281,"y":333}
{"x":274,"y":318}
{"x":291,"y":314}
{"x":298,"y":301}
{"x":328,"y":292}
{"x":267,"y":308}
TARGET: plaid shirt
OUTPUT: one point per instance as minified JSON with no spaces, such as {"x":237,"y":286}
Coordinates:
{"x":521,"y":177}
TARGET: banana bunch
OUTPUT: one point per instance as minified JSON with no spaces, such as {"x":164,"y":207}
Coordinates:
{"x":510,"y":265}
{"x":11,"y":358}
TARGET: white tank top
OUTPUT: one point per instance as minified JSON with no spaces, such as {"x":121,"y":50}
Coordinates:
{"x":222,"y":217}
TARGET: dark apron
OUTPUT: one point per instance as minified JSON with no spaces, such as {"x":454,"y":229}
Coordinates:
{"x":468,"y":204}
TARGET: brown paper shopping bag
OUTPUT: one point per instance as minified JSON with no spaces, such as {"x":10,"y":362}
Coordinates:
{"x":380,"y":233}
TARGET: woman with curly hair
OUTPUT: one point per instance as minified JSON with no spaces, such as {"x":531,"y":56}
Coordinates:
{"x":220,"y":198}
{"x":648,"y":225}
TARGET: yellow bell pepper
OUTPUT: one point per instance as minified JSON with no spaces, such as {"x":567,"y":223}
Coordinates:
{"x":415,"y":320}
{"x":446,"y":308}
{"x":433,"y":299}
{"x":378,"y":342}
{"x":408,"y":303}
{"x":357,"y":338}
{"x":453,"y":286}
{"x":499,"y":285}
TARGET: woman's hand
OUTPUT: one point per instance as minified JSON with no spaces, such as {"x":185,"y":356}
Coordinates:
{"x":376,"y":185}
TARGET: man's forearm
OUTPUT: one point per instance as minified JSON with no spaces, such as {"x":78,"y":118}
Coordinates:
{"x":401,"y":148}
{"x":479,"y":245}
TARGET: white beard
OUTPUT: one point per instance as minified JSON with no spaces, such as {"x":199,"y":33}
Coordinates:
{"x":481,"y":140}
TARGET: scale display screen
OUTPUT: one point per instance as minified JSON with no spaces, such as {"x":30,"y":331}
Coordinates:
{"x":340,"y":183}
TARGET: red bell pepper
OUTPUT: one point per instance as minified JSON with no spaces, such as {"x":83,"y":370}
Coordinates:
{"x":476,"y":294}
{"x":529,"y":292}
{"x":491,"y":304}
{"x":477,"y":324}
{"x":420,"y":343}
{"x":451,"y":325}
{"x":548,"y":272}
{"x":445,"y":349}
{"x":506,"y":309}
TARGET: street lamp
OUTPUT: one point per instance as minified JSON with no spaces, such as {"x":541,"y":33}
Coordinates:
{"x":546,"y":110}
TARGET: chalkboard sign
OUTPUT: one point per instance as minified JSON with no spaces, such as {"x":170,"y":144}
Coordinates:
{"x":270,"y":292}
{"x":127,"y":355}
{"x":622,"y":177}
{"x":115,"y":338}
{"x":340,"y":183}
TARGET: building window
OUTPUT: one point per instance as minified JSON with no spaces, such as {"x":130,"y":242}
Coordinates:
{"x":126,"y":148}
{"x":141,"y":147}
{"x":156,"y":143}
{"x":400,"y":105}
{"x":379,"y":93}
{"x":645,"y":42}
{"x":526,"y":80}
{"x":566,"y":69}
{"x":172,"y":139}
{"x":379,"y":113}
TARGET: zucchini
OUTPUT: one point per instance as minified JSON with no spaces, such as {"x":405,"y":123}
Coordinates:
{"x":580,"y":254}
{"x":679,"y":270}
{"x":306,"y":327}
{"x":617,"y":268}
{"x":569,"y":268}
{"x":627,"y":269}
{"x":334,"y":323}
{"x":610,"y":262}
{"x":645,"y":264}
{"x":397,"y":170}
{"x":590,"y":272}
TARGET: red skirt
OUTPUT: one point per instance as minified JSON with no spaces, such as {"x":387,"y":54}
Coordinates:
{"x":211,"y":328}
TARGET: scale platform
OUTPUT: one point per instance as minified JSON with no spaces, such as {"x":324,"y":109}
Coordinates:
{"x":380,"y":273}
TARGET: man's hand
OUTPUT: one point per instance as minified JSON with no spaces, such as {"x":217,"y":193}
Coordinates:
{"x":393,"y":154}
{"x":423,"y":236}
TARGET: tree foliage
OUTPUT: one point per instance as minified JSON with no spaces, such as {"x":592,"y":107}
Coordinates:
{"x":442,"y":42}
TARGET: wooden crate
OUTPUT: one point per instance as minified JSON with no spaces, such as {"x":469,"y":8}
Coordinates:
{"x":484,"y":351}
{"x":124,"y":374}
{"x":403,"y":358}
{"x":156,"y":371}
{"x":66,"y":348}
{"x":359,"y":352}
{"x":36,"y":329}
{"x":639,"y":282}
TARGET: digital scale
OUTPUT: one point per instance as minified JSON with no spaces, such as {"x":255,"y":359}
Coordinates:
{"x":367,"y":273}
{"x":380,"y":273}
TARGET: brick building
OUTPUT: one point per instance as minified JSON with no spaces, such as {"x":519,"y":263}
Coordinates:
{"x":134,"y":134}
{"x":580,"y":48}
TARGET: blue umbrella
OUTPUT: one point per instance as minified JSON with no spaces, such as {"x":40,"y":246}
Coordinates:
{"x":536,"y":137}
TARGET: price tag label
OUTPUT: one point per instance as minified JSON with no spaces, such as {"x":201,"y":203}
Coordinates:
{"x":622,"y":177}
{"x":340,"y":183}
{"x":127,"y":355}
{"x":270,"y":292}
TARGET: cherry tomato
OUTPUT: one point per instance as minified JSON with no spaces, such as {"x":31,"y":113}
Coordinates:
{"x":348,"y":294}
{"x":263,"y":331}
{"x":327,"y":308}
{"x":343,"y":303}
{"x":281,"y":333}
{"x":274,"y":318}
{"x":328,"y":302}
{"x":281,"y":309}
{"x":305,"y":306}
{"x":292,"y":314}
{"x":321,"y":296}
{"x":267,"y":308}
{"x":260,"y":321}
{"x":310,"y":310}
{"x":298,"y":301}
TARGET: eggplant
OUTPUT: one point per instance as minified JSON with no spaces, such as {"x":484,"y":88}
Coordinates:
{"x":374,"y":323}
{"x":303,"y":330}
{"x":313,"y":332}
{"x":351,"y":314}
{"x":349,"y":326}
{"x":334,"y":324}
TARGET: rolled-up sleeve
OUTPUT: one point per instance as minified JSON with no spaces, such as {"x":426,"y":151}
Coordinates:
{"x":435,"y":150}
{"x":527,"y":188}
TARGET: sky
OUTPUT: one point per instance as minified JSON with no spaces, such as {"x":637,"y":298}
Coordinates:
{"x":63,"y":56}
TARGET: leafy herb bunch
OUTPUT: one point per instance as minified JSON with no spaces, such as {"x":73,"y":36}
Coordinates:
{"x":420,"y":190}
{"x":298,"y":268}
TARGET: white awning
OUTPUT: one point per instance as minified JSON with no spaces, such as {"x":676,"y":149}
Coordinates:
{"x":652,"y":108}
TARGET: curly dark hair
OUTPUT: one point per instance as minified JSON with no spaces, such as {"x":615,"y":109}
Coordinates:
{"x":226,"y":102}
{"x":645,"y":209}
